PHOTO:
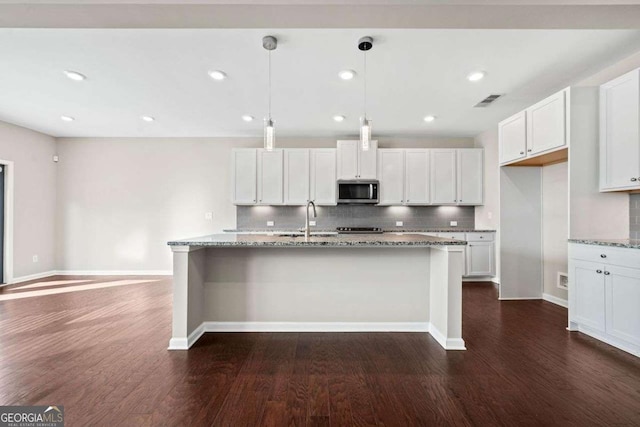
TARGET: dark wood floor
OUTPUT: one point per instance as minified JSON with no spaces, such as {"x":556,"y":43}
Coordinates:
{"x":101,"y":352}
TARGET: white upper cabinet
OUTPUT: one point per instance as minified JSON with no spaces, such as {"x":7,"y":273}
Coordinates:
{"x":296,"y":176}
{"x":270,"y":177}
{"x":443,"y":177}
{"x":546,"y":124}
{"x":512,"y":134}
{"x":620,"y":133}
{"x":354,"y":163}
{"x":323,"y":176}
{"x":538,"y":131}
{"x":243,"y":183}
{"x":416,"y":186}
{"x":391,"y":175}
{"x":470,"y":177}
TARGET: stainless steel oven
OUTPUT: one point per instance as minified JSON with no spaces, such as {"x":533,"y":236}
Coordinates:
{"x":361,"y":191}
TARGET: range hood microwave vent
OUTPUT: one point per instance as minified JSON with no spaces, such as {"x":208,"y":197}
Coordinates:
{"x":487,"y":101}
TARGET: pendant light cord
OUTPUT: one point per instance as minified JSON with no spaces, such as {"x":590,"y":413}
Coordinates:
{"x":365,"y":84}
{"x":269,"y":85}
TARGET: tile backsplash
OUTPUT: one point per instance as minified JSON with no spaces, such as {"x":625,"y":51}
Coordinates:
{"x":330,"y":217}
{"x":634,"y":216}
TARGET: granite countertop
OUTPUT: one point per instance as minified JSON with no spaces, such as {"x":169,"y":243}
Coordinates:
{"x":385,"y":230}
{"x":327,"y":240}
{"x":618,"y":243}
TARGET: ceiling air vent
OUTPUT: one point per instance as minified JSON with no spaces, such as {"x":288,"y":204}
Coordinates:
{"x":487,"y":101}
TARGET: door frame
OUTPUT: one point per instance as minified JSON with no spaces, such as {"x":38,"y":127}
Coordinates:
{"x":8,"y":221}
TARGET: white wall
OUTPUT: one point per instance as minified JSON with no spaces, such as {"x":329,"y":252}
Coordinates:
{"x":34,"y":197}
{"x":488,"y":216}
{"x":121,"y":199}
{"x":555,"y":226}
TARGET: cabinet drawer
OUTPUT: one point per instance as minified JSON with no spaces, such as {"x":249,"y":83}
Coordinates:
{"x":450,"y":235}
{"x":480,"y":237}
{"x":606,"y":255}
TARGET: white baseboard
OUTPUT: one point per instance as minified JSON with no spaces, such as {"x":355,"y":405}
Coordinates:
{"x":559,"y":301}
{"x":186,"y":343}
{"x":520,"y":299}
{"x":114,"y":272}
{"x":447,"y":344}
{"x":479,"y":279}
{"x":316,"y":326}
{"x":29,"y":277}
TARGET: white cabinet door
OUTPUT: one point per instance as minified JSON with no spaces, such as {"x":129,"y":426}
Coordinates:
{"x":296,"y":176}
{"x":323,"y":176}
{"x":623,"y":303}
{"x":546,"y":124}
{"x":470,"y":176}
{"x":270,"y":177}
{"x":480,"y":259}
{"x":620,"y":133}
{"x":512,"y":138}
{"x":443,"y":177}
{"x":416,"y":185}
{"x":348,"y":159}
{"x":368,"y":161}
{"x":391,"y":176}
{"x":589,"y":294}
{"x":244,"y":187}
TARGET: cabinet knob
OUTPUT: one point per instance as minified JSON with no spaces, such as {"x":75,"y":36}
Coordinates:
{"x":603,"y":255}
{"x":634,"y":179}
{"x":522,"y":152}
{"x":599,"y":271}
{"x":529,"y":150}
{"x":482,"y":237}
{"x":606,"y":273}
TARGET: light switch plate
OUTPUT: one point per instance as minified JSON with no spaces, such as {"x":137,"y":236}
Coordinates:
{"x":35,"y":258}
{"x":269,"y":223}
{"x":312,"y":223}
{"x":399,"y":223}
{"x":453,"y":223}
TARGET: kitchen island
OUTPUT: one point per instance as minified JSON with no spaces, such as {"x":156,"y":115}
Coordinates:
{"x":325,"y":283}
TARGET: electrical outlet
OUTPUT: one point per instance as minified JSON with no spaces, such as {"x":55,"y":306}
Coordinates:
{"x":312,"y":223}
{"x":208,"y":216}
{"x":399,"y":223}
{"x":269,"y":223}
{"x":35,"y":258}
{"x":453,"y":223}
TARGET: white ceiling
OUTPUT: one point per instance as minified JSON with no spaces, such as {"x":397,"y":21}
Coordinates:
{"x":163,"y":73}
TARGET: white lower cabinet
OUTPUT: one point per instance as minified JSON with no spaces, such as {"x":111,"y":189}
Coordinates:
{"x":480,"y":259}
{"x":604,"y":294}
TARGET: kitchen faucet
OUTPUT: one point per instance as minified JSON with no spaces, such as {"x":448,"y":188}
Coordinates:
{"x":307,"y":230}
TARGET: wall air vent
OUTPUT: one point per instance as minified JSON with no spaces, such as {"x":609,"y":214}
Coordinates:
{"x":487,"y":101}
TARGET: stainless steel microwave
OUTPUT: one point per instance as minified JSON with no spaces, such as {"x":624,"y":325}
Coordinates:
{"x":360,"y":191}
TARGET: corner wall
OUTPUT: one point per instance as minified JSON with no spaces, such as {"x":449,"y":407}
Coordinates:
{"x":34,"y":211}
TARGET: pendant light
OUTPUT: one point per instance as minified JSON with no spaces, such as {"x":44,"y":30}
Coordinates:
{"x":269,"y":43}
{"x":365,"y":44}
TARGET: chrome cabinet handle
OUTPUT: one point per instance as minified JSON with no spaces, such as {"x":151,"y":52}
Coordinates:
{"x":606,"y":273}
{"x":522,"y":152}
{"x":529,"y":150}
{"x":599,"y":271}
{"x":603,"y":255}
{"x":634,"y":179}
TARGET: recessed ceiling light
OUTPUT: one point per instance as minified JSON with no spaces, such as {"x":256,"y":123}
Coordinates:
{"x":74,"y":75}
{"x":476,"y":75}
{"x":429,"y":119}
{"x":247,"y":118}
{"x":147,"y":118}
{"x":347,"y":74}
{"x":339,"y":118}
{"x":217,"y":75}
{"x":67,"y":118}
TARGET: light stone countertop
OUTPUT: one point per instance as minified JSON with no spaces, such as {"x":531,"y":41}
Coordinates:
{"x":385,"y":230}
{"x":325,"y":240}
{"x":617,"y":243}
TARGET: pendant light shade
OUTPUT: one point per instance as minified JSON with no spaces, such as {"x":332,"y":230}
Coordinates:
{"x":269,"y":43}
{"x":365,"y":44}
